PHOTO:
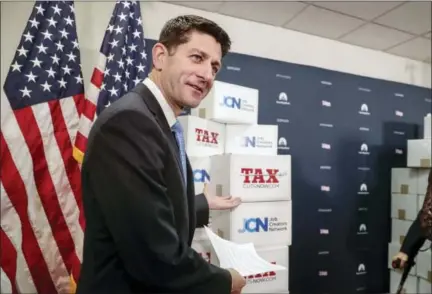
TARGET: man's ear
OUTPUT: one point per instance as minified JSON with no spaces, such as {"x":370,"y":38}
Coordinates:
{"x":159,"y":54}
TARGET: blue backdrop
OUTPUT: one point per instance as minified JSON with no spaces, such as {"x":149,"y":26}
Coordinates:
{"x":340,"y":231}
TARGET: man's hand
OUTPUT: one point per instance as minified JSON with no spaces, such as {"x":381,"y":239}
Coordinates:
{"x":220,"y":202}
{"x":403,"y":258}
{"x":238,"y":282}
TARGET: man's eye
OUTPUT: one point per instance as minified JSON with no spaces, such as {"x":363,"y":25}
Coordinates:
{"x":196,"y":57}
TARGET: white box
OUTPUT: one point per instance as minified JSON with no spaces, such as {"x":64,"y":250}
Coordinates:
{"x":252,"y":139}
{"x":410,"y":286}
{"x":204,"y":248}
{"x":201,"y":172}
{"x":424,"y":287}
{"x":422,"y":180}
{"x":404,"y":206}
{"x":229,"y":103}
{"x":427,"y":128}
{"x":269,"y":282}
{"x":404,"y":180}
{"x":393,"y":249}
{"x":399,"y":230}
{"x":262,"y":223}
{"x":251,"y":177}
{"x":419,"y":153}
{"x":424,"y":267}
{"x":202,"y":137}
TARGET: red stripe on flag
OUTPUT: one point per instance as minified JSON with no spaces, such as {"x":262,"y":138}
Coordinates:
{"x":45,"y":186}
{"x":97,"y":77}
{"x":8,"y":260}
{"x":89,"y":110}
{"x":79,"y":103}
{"x":81,"y":142}
{"x":15,"y":189}
{"x":65,"y":146}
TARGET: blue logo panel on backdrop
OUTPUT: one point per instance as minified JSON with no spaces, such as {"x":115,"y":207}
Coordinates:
{"x":345,"y":133}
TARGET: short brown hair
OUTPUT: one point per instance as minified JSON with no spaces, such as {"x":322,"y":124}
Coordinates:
{"x":177,"y":31}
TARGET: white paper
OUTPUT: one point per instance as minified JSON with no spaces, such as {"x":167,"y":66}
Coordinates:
{"x":241,"y":257}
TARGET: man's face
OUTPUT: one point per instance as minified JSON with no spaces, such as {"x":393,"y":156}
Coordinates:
{"x":188,"y":74}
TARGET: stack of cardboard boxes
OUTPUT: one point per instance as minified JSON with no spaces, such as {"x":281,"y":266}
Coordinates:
{"x":408,"y":191}
{"x":237,"y":156}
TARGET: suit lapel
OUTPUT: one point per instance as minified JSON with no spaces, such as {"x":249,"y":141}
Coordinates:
{"x":157,"y":111}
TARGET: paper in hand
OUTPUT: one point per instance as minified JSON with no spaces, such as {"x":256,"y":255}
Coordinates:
{"x":241,"y":257}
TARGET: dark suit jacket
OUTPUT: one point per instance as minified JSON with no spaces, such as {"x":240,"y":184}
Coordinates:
{"x":140,"y":219}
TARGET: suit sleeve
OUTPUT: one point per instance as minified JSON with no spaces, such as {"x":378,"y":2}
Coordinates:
{"x":414,"y":239}
{"x":202,"y":210}
{"x":126,"y":174}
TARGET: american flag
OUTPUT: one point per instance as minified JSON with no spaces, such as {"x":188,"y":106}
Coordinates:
{"x":41,"y":224}
{"x":122,"y":65}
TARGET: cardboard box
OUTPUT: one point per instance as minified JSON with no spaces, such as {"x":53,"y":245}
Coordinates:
{"x":424,"y":264}
{"x":419,"y":153}
{"x":202,"y":137}
{"x":404,"y":180}
{"x":399,"y":230}
{"x":268,"y":282}
{"x":230,"y":104}
{"x":410,"y":286}
{"x":427,"y":128}
{"x":251,"y":140}
{"x":404,"y":206}
{"x":251,"y":177}
{"x":201,"y":171}
{"x":262,"y":223}
{"x":422,"y":180}
{"x":424,"y":286}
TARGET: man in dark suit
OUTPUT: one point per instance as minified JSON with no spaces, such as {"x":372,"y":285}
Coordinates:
{"x":138,"y":192}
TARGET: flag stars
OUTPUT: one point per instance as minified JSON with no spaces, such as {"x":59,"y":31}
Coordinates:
{"x":36,"y":62}
{"x":57,"y":10}
{"x":117,"y":77}
{"x":110,"y":57}
{"x":47,"y":34}
{"x":34,"y":23}
{"x":140,"y":67}
{"x":22,"y":51}
{"x":75,"y":44}
{"x":122,"y":16}
{"x":31,"y":77}
{"x":55,"y":58}
{"x":143,"y":55}
{"x":39,"y":9}
{"x":46,"y":86}
{"x":126,"y":4}
{"x":79,"y":79}
{"x":129,"y":61}
{"x":62,"y":83}
{"x":113,"y":91}
{"x":42,"y":48}
{"x":114,"y":43}
{"x":16,"y":67}
{"x":136,"y":34}
{"x":52,"y":22}
{"x":59,"y":46}
{"x":120,"y":63}
{"x":25,"y":92}
{"x":28,"y":37}
{"x":118,"y":30}
{"x":64,"y":33}
{"x":51,"y":72}
{"x":69,"y":21}
{"x":132,"y":47}
{"x":67,"y":70}
{"x":71,"y":57}
{"x":110,"y":28}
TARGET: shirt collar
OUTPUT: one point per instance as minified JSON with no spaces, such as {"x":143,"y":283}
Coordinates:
{"x":166,"y":108}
